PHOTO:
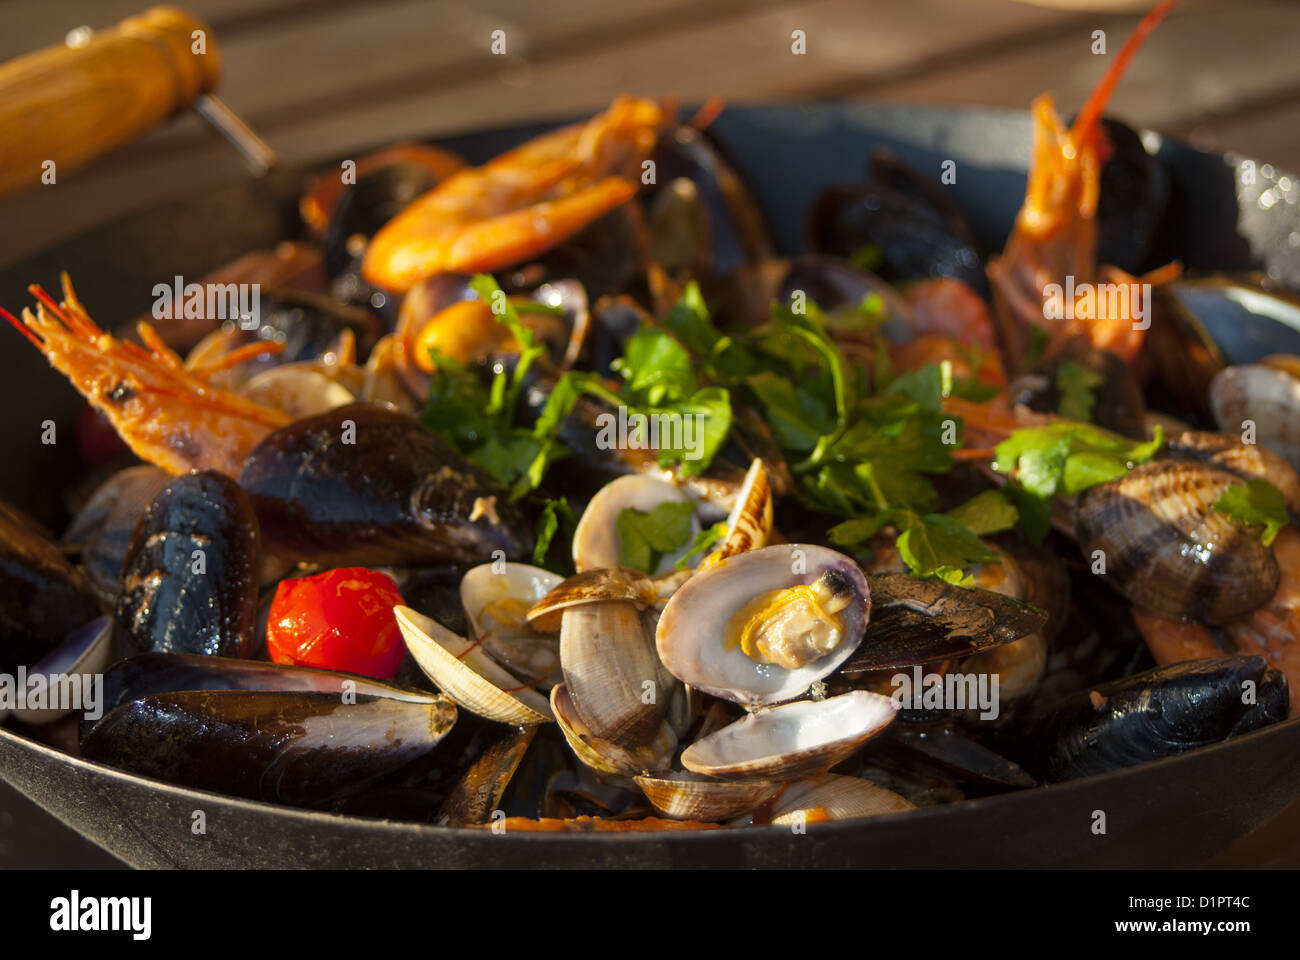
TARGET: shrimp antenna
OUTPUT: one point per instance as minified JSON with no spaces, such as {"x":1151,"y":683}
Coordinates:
{"x":1096,"y":102}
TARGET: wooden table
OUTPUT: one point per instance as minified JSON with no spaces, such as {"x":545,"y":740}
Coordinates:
{"x":321,"y":77}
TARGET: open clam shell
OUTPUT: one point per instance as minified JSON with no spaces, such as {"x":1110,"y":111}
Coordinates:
{"x":607,"y":756}
{"x":750,"y":522}
{"x":688,"y":796}
{"x":496,"y":600}
{"x":835,"y":797}
{"x":792,"y":740}
{"x":690,"y":633}
{"x":468,"y":675}
{"x":595,"y":541}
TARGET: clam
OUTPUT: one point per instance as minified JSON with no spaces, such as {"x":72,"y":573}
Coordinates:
{"x":792,"y":740}
{"x":1020,"y":664}
{"x":596,"y":539}
{"x":759,"y":629}
{"x":297,"y":389}
{"x":1168,"y":550}
{"x":604,"y":755}
{"x":496,"y":599}
{"x":750,"y":522}
{"x":801,"y":625}
{"x":467,"y":675}
{"x":1268,"y":394}
{"x":835,"y":797}
{"x":688,"y":796}
{"x":1246,"y":460}
{"x":606,"y":654}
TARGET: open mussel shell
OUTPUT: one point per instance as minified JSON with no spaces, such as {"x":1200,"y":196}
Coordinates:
{"x":153,"y":673}
{"x":607,"y":756}
{"x":792,"y":740}
{"x":924,"y":621}
{"x":835,"y":797}
{"x":303,"y":749}
{"x":691,"y":629}
{"x":596,"y":539}
{"x":468,"y":675}
{"x":688,"y":796}
{"x":72,"y":666}
{"x":1168,"y":550}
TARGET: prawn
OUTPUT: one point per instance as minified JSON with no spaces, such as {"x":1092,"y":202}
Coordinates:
{"x":169,"y":416}
{"x":1055,"y":233}
{"x":521,"y":203}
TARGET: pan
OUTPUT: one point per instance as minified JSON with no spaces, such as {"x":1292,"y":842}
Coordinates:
{"x":1178,"y":811}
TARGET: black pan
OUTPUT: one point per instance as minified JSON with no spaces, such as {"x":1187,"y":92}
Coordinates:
{"x":1179,"y":811}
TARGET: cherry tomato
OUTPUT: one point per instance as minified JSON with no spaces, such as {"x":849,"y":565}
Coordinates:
{"x":339,"y":620}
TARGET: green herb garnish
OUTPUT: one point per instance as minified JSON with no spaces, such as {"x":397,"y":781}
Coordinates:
{"x":1078,"y":386}
{"x":645,"y":538}
{"x":1255,"y":503}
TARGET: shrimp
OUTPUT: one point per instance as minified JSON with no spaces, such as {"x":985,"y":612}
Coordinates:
{"x":519,"y":204}
{"x":169,"y":416}
{"x":1271,"y":632}
{"x":1055,"y":233}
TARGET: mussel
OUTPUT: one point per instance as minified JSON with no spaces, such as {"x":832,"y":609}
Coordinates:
{"x":902,"y":221}
{"x":42,"y":596}
{"x":189,"y":584}
{"x":362,"y":485}
{"x":1157,"y":713}
{"x":263,"y":731}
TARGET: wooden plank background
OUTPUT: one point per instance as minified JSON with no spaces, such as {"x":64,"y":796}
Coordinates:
{"x":325,"y":77}
{"x":322,"y":77}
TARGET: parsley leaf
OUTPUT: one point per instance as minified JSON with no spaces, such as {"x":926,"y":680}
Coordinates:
{"x":556,"y":516}
{"x":704,"y":543}
{"x":645,"y":538}
{"x":985,"y":513}
{"x":1254,"y":503}
{"x":1078,"y":386}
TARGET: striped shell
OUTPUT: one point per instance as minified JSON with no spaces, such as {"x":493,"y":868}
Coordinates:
{"x":1168,"y":551}
{"x":603,"y":755}
{"x":688,"y":796}
{"x":835,"y":797}
{"x":1246,"y":460}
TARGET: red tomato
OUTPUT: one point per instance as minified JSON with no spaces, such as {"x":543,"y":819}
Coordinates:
{"x":339,"y":620}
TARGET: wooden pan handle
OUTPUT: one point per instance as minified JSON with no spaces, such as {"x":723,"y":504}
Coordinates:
{"x":73,"y":104}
